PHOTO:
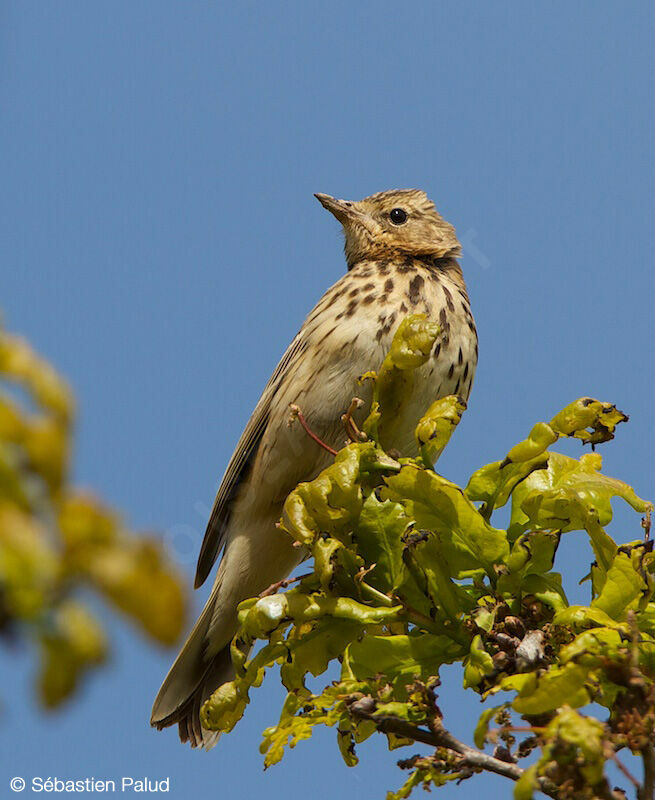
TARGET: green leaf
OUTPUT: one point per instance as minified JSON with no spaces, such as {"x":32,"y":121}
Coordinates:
{"x":400,"y":658}
{"x":332,"y":501}
{"x":547,"y":588}
{"x":437,"y":425}
{"x":477,"y":665}
{"x":622,"y":590}
{"x":410,"y":349}
{"x":313,"y":645}
{"x":482,"y":728}
{"x":425,"y":775}
{"x":427,"y":559}
{"x":527,"y":784}
{"x":291,"y":728}
{"x":590,"y":645}
{"x":539,"y":440}
{"x":346,"y":742}
{"x":547,"y":692}
{"x":583,"y":616}
{"x":260,"y":617}
{"x":378,"y":538}
{"x":529,"y":563}
{"x":436,"y":504}
{"x":494,"y":483}
{"x":566,"y":494}
{"x":587,"y":736}
{"x":589,"y":420}
{"x":324,"y":551}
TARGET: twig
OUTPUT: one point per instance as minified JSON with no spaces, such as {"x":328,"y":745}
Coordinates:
{"x":274,"y":587}
{"x":515,"y":729}
{"x":645,"y":524}
{"x":296,"y":412}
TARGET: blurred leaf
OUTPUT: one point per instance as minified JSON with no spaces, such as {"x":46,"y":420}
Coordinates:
{"x":482,"y":728}
{"x":20,"y":364}
{"x":55,"y":541}
{"x":30,"y":567}
{"x":133,"y":574}
{"x":74,"y":643}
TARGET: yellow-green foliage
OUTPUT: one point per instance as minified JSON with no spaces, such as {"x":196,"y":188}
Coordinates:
{"x":410,"y":573}
{"x":56,"y":540}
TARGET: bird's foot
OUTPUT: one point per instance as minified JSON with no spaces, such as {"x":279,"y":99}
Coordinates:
{"x":352,"y":431}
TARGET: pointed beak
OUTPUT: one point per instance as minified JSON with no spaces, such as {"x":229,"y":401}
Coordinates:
{"x":343,"y":210}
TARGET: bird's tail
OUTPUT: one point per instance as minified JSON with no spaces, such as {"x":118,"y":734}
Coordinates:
{"x":192,"y":679}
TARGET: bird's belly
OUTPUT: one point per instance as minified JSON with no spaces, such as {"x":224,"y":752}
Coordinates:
{"x":327,"y":378}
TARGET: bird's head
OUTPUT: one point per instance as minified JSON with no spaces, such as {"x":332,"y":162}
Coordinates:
{"x":398,"y":221}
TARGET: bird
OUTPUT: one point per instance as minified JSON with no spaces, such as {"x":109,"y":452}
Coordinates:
{"x":402,"y":258}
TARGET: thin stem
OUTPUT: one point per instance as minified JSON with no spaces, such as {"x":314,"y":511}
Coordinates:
{"x":284,"y":584}
{"x":515,"y":729}
{"x":376,"y":594}
{"x":296,"y":412}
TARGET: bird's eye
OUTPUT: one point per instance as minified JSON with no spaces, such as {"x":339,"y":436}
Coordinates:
{"x":398,"y":216}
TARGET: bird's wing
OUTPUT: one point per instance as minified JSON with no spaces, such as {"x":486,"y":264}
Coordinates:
{"x":239,"y":463}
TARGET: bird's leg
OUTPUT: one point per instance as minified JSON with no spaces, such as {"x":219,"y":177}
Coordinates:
{"x":353,"y":432}
{"x":297,"y":413}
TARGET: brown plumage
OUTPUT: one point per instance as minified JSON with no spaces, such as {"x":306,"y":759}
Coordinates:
{"x":401,"y":257}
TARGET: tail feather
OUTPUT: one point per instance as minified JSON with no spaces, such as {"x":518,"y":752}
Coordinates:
{"x":250,"y":563}
{"x":191,"y":681}
{"x":187,"y":715}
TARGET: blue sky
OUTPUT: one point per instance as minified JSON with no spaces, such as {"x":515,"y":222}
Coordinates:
{"x":161,"y":245}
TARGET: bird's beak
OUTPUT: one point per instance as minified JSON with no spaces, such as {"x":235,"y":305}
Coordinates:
{"x":343,"y":210}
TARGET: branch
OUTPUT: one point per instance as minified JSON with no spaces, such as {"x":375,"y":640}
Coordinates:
{"x":440,"y":737}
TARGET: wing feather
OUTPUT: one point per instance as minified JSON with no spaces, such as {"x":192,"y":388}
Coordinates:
{"x":238,"y":465}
